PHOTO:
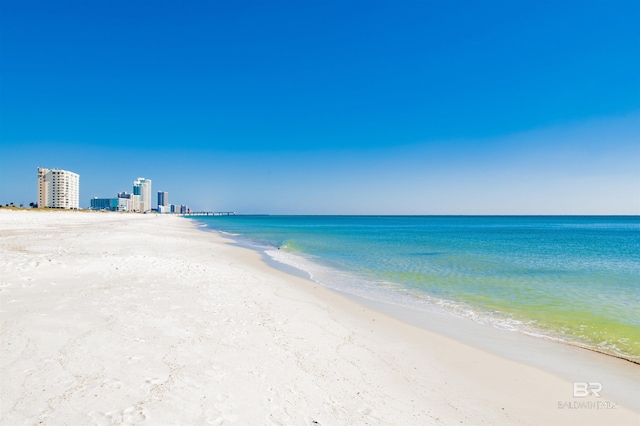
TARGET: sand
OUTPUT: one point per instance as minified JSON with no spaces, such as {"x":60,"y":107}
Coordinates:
{"x":113,"y":318}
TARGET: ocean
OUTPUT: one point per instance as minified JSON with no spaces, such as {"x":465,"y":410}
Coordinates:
{"x":571,"y":279}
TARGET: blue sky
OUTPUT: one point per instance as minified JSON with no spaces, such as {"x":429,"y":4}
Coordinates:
{"x":328,"y":107}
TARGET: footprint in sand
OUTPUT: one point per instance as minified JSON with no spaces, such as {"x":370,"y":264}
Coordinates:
{"x":221,"y":412}
{"x":214,"y":417}
{"x":100,"y":419}
{"x":132,"y":359}
{"x":368,"y":413}
{"x":134,"y":415}
{"x":111,"y":384}
{"x":106,"y":419}
{"x":153,"y":380}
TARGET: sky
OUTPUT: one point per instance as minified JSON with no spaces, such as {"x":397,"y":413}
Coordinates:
{"x":327,"y":106}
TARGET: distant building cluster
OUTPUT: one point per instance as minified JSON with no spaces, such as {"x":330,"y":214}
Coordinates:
{"x":58,"y":189}
{"x":61,"y":189}
{"x":165,"y":207}
{"x":139,"y":201}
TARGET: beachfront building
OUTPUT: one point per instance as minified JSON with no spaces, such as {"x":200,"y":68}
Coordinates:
{"x":142,"y":187}
{"x":58,"y":189}
{"x":180,"y":209}
{"x":174,"y":208}
{"x":111,"y":204}
{"x":163,"y":199}
{"x":130,"y":202}
{"x":104,"y":204}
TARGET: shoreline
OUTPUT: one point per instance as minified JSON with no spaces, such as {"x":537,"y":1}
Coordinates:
{"x":394,"y":309}
{"x":574,"y":282}
{"x":478,"y":335}
{"x":486,"y":338}
{"x":165,"y":323}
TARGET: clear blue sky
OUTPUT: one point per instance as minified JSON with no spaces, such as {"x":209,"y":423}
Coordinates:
{"x":346,"y":107}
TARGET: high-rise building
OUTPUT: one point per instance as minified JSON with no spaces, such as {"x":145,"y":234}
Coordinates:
{"x":142,"y":187}
{"x":58,"y":189}
{"x":163,"y":198}
{"x":130,"y":202}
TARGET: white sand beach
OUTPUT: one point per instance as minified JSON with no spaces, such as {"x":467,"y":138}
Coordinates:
{"x":113,"y":319}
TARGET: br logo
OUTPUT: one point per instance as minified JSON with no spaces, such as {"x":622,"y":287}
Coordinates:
{"x":584,"y":389}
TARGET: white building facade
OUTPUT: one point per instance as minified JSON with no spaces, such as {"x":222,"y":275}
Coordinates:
{"x":142,"y":187}
{"x":128,"y":202}
{"x":58,"y":189}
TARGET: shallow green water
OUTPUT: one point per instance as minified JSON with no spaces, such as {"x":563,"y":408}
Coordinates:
{"x":571,"y":278}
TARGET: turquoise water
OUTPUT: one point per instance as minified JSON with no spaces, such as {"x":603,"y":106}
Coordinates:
{"x":575,"y":279}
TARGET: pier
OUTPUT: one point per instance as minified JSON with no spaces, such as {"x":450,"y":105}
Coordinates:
{"x":210,"y":214}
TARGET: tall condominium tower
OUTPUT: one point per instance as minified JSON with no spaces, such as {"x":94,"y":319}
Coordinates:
{"x":132,"y":203}
{"x":58,"y":189}
{"x":142,"y":187}
{"x":163,"y":198}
